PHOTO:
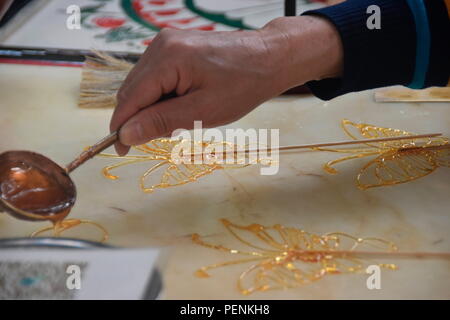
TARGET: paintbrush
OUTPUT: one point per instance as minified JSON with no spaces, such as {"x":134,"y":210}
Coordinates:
{"x":55,"y":56}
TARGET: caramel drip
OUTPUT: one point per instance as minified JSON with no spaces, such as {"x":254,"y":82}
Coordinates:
{"x":32,"y":190}
{"x":62,"y":226}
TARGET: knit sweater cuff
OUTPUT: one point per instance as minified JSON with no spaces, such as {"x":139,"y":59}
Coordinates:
{"x":372,"y":57}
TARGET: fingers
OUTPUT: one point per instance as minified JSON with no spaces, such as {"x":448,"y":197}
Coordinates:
{"x":140,"y":94}
{"x":137,"y":92}
{"x":143,"y":60}
{"x":121,"y":149}
{"x":150,"y":78}
{"x":160,"y":120}
{"x":143,"y":91}
{"x":132,"y":98}
{"x":153,"y":76}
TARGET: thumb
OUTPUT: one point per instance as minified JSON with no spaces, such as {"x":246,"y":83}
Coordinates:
{"x":160,"y":120}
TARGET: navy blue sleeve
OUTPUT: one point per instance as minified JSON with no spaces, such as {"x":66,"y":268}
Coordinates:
{"x":411,"y":48}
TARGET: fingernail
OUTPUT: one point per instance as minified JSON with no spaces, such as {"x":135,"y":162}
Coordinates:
{"x":119,"y":150}
{"x":131,"y":133}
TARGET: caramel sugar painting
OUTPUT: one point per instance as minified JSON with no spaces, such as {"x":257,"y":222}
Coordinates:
{"x":393,"y":162}
{"x":402,"y":159}
{"x":279,"y":257}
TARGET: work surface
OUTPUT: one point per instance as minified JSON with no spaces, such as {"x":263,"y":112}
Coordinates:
{"x":39,"y":112}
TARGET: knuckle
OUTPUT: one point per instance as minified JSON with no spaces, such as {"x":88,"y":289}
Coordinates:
{"x":175,"y":41}
{"x":122,"y":95}
{"x":164,"y":35}
{"x":113,"y":125}
{"x":159,"y":123}
{"x":165,"y":32}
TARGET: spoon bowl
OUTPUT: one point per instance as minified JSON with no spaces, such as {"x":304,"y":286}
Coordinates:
{"x":34,"y":188}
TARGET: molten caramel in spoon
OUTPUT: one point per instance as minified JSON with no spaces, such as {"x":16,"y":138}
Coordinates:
{"x":27,"y":185}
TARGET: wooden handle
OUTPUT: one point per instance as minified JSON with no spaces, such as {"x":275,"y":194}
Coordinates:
{"x":92,"y":151}
{"x":332,"y":144}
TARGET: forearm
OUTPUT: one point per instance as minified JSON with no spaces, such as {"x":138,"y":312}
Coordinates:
{"x":307,"y":48}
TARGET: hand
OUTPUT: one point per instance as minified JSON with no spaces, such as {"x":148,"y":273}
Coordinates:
{"x":219,"y":77}
{"x":4,"y":6}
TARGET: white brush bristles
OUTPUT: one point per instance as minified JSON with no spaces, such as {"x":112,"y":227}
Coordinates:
{"x":102,"y":76}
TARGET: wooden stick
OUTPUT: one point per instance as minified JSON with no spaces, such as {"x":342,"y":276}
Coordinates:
{"x":351,"y":142}
{"x":331,"y":144}
{"x":379,"y":254}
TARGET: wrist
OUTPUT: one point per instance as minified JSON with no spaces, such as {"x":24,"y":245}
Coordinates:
{"x":309,"y":47}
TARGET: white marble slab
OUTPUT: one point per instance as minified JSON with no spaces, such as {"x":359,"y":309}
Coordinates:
{"x":39,"y":112}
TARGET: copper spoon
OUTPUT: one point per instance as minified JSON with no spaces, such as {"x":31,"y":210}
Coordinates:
{"x":54,"y":191}
{"x":53,"y":208}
